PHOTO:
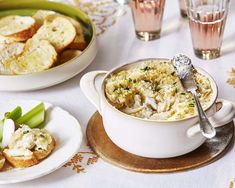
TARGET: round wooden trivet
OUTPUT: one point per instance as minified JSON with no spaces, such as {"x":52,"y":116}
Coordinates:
{"x":208,"y":152}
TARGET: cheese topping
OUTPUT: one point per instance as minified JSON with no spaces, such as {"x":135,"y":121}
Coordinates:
{"x":25,"y":140}
{"x":151,"y":90}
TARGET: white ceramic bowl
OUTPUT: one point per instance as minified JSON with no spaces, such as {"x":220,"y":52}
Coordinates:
{"x":59,"y":73}
{"x":152,"y":138}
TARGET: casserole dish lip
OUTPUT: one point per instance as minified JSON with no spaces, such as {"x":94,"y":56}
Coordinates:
{"x":122,"y":67}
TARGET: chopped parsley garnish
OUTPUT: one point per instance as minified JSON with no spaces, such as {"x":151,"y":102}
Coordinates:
{"x":173,"y":73}
{"x":25,"y":132}
{"x":134,"y":81}
{"x":146,"y":68}
{"x":182,"y":93}
{"x":191,"y":104}
{"x":157,"y":88}
{"x":42,"y":136}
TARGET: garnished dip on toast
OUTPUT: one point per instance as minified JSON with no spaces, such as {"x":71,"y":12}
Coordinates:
{"x":23,"y":143}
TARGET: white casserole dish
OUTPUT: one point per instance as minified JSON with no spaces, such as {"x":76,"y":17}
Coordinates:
{"x":152,"y":138}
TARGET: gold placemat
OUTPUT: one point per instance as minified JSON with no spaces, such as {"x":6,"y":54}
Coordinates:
{"x":208,"y":152}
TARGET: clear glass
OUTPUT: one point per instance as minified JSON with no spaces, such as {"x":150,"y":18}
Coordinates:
{"x":183,"y":8}
{"x":122,"y":2}
{"x":207,"y":20}
{"x":147,"y":17}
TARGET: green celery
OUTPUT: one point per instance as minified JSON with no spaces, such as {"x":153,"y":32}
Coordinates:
{"x":33,"y":118}
{"x":14,"y":114}
{"x":1,"y":129}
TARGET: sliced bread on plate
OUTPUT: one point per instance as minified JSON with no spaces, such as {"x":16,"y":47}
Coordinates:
{"x":59,"y":31}
{"x":68,"y":55}
{"x":38,"y":55}
{"x":17,"y":28}
{"x":41,"y":15}
{"x":79,"y":42}
{"x":7,"y":53}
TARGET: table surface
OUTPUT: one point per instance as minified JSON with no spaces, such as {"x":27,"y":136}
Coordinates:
{"x":118,"y":45}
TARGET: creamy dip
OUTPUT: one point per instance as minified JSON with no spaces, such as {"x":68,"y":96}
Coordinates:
{"x":151,"y":90}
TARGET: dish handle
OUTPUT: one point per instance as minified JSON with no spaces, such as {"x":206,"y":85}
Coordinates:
{"x":88,"y":87}
{"x":225,"y":115}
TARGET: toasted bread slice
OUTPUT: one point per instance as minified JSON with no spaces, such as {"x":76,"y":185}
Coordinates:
{"x":69,"y":54}
{"x":7,"y":53}
{"x":41,"y":154}
{"x":41,"y":15}
{"x":79,"y":42}
{"x":20,"y":161}
{"x":58,"y":31}
{"x":37,"y":56}
{"x":18,"y":28}
{"x":2,"y":161}
{"x":28,"y":160}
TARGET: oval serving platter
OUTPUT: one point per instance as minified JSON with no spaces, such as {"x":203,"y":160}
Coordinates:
{"x":57,"y":74}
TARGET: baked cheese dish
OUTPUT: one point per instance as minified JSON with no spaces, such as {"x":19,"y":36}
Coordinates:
{"x":151,"y":90}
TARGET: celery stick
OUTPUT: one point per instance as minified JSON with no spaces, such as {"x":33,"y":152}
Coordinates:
{"x":14,"y":114}
{"x":34,"y":117}
{"x":1,"y":129}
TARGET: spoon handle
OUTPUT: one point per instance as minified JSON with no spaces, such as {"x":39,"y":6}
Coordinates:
{"x":205,"y":126}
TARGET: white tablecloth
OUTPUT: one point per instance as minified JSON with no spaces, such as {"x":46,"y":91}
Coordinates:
{"x":118,"y":45}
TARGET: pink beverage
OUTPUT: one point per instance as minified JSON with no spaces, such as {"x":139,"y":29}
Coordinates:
{"x":183,"y":8}
{"x":207,"y":28}
{"x":147,"y":16}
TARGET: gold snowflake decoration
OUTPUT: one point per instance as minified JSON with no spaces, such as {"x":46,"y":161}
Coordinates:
{"x":81,"y":160}
{"x":231,"y":80}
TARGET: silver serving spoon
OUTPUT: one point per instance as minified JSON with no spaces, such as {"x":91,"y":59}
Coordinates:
{"x":183,"y":67}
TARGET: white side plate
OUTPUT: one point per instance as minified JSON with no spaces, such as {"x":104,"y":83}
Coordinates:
{"x":63,"y":126}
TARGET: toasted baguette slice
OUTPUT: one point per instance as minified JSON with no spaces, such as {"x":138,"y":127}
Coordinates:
{"x":59,"y":32}
{"x":37,"y":56}
{"x":18,"y":28}
{"x":41,"y":154}
{"x":7,"y":53}
{"x":79,"y":42}
{"x":21,"y":161}
{"x":41,"y":15}
{"x":27,"y":161}
{"x":2,"y":161}
{"x":68,"y":55}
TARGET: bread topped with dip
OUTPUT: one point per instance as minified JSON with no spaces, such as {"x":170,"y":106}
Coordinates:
{"x":28,"y":146}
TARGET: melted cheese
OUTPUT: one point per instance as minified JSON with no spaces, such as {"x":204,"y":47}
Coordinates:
{"x":152,"y":90}
{"x":26,"y":140}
